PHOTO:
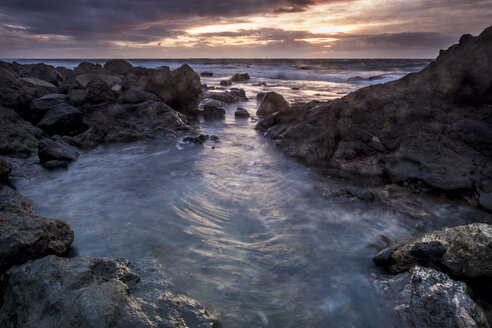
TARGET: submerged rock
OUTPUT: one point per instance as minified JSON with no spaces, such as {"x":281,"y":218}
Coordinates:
{"x":212,"y":109}
{"x":26,"y":237}
{"x":241,"y":113}
{"x":424,"y":297}
{"x":94,"y":292}
{"x":206,"y":74}
{"x":240,"y":77}
{"x":464,"y":251}
{"x":272,"y":102}
{"x":229,"y":97}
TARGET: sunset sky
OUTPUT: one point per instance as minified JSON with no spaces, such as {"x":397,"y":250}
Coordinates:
{"x":236,"y":29}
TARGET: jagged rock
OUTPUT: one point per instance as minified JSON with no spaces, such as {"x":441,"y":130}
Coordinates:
{"x":228,"y":97}
{"x":212,"y":109}
{"x":40,"y":71}
{"x":110,"y":80}
{"x":206,"y":74}
{"x":118,"y":66}
{"x":241,"y":113}
{"x":464,"y":251}
{"x":63,"y":119}
{"x":12,"y":201}
{"x":86,"y":68}
{"x":18,"y":138}
{"x":260,"y":96}
{"x":197,"y":140}
{"x":225,"y":83}
{"x":95,"y":292}
{"x":136,"y":95}
{"x":238,"y":77}
{"x":34,"y":82}
{"x":434,"y":126}
{"x":424,"y":297}
{"x":40,"y":106}
{"x":5,"y":169}
{"x":26,"y":237}
{"x":99,"y":91}
{"x":50,"y":150}
{"x":272,"y":102}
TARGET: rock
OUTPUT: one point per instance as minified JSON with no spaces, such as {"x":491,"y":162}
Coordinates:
{"x":241,"y":113}
{"x":360,"y":193}
{"x":118,"y":66}
{"x":463,"y":251}
{"x":238,"y":77}
{"x":434,"y":126}
{"x":228,"y":97}
{"x":40,"y":106}
{"x":206,"y":74}
{"x":86,"y":68}
{"x":12,"y":201}
{"x":34,"y":82}
{"x":197,"y":140}
{"x":5,"y":169}
{"x":95,"y":292}
{"x":212,"y":109}
{"x":110,"y":80}
{"x":225,"y":83}
{"x":272,"y":102}
{"x":99,"y":91}
{"x":136,"y":95}
{"x":40,"y":71}
{"x":18,"y":138}
{"x":50,"y":150}
{"x":76,"y":97}
{"x":63,"y":119}
{"x":260,"y":96}
{"x":424,"y":297}
{"x":26,"y":237}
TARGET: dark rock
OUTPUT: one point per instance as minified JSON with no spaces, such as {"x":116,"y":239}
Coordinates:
{"x":118,"y":66}
{"x":228,"y":97}
{"x":212,"y":109}
{"x":76,"y":97}
{"x":54,"y":164}
{"x":98,"y":91}
{"x":241,"y":113}
{"x":12,"y":201}
{"x":272,"y":102}
{"x":260,"y":96}
{"x":63,"y":119}
{"x":197,"y":140}
{"x":225,"y":83}
{"x":40,"y":106}
{"x":95,"y":292}
{"x":50,"y":150}
{"x":5,"y":169}
{"x":360,"y":193}
{"x":136,"y":95}
{"x":214,"y":138}
{"x":238,"y":77}
{"x":25,"y":237}
{"x":424,"y":297}
{"x":464,"y":251}
{"x":86,"y":68}
{"x":206,"y":74}
{"x":40,"y":71}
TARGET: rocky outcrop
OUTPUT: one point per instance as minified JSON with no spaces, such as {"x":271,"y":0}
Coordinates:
{"x":272,"y":102}
{"x":212,"y":109}
{"x":424,"y":297}
{"x":26,"y":237}
{"x":434,"y":126}
{"x":94,"y":292}
{"x":464,"y":251}
{"x":241,"y":113}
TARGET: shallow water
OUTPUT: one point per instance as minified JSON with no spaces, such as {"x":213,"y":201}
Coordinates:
{"x":257,"y":238}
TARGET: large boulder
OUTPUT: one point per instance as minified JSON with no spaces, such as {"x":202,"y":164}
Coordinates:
{"x":464,"y":251}
{"x":240,"y":77}
{"x":272,"y":102}
{"x":95,"y":292}
{"x":86,"y":68}
{"x":40,"y":106}
{"x":434,"y":126}
{"x":212,"y":109}
{"x":26,"y":237}
{"x":241,"y":113}
{"x":101,"y":89}
{"x":424,"y":297}
{"x":228,"y":97}
{"x":118,"y":66}
{"x":136,"y":95}
{"x":40,"y":71}
{"x":63,"y":119}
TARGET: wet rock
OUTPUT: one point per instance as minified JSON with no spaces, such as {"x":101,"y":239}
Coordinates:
{"x":260,"y":96}
{"x":12,"y":201}
{"x":360,"y":193}
{"x":206,"y":74}
{"x":118,"y":66}
{"x":136,"y":95}
{"x":5,"y":169}
{"x":272,"y":102}
{"x":54,"y":153}
{"x":464,"y":251}
{"x":240,"y":77}
{"x":26,"y":237}
{"x":424,"y":297}
{"x":40,"y":106}
{"x":95,"y":292}
{"x":63,"y":119}
{"x":228,"y":97}
{"x":225,"y":83}
{"x":212,"y":109}
{"x":197,"y":140}
{"x":241,"y":113}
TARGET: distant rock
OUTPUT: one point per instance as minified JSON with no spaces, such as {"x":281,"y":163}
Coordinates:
{"x":463,"y":251}
{"x":25,"y":237}
{"x":424,"y":297}
{"x":212,"y":109}
{"x":86,"y":68}
{"x":206,"y":74}
{"x":225,"y":82}
{"x":228,"y":97}
{"x":240,"y":77}
{"x":63,"y":119}
{"x":272,"y":102}
{"x":241,"y":113}
{"x":95,"y":292}
{"x":118,"y":66}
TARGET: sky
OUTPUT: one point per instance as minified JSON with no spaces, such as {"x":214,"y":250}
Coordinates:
{"x":236,"y":29}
